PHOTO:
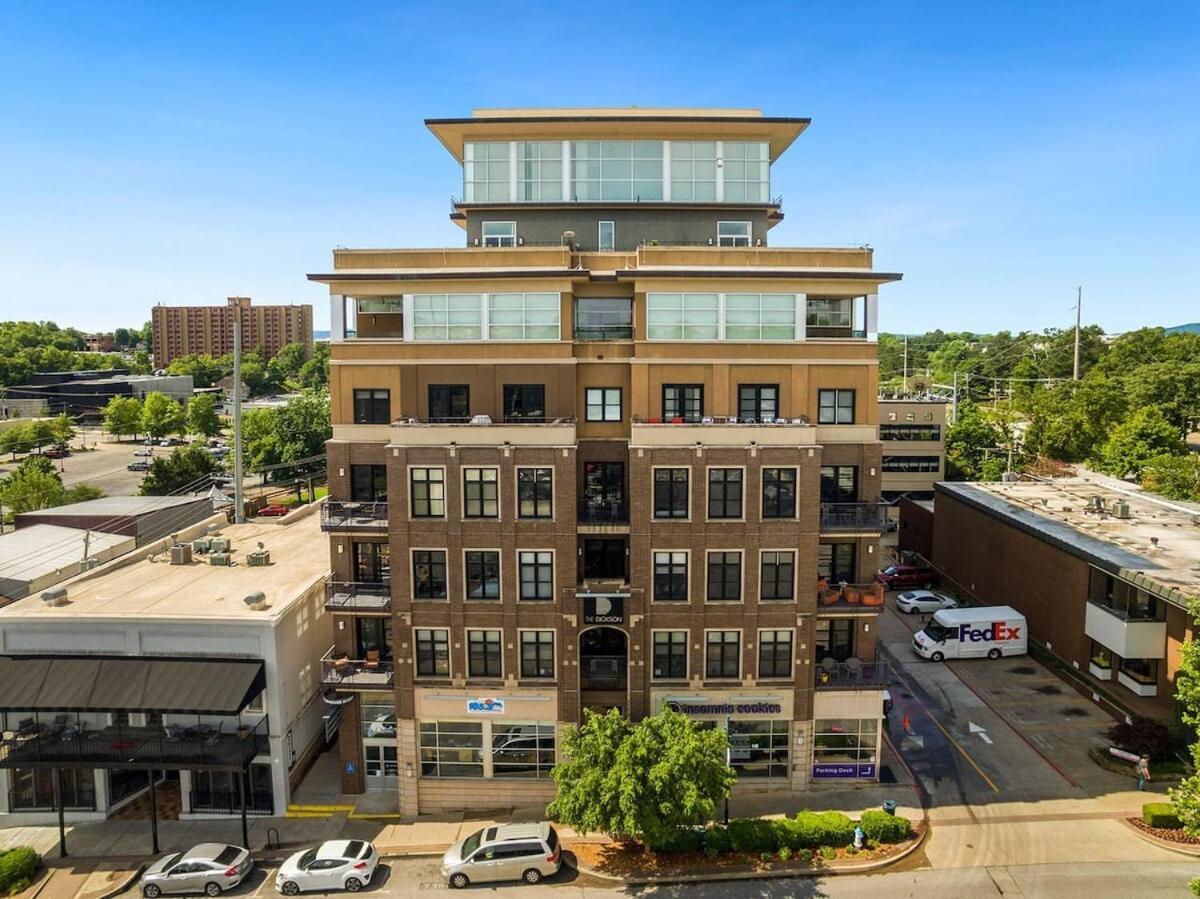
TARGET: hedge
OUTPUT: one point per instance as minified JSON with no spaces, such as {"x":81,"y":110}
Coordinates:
{"x":16,"y":869}
{"x":1160,"y":814}
{"x":885,"y":828}
{"x":805,"y":830}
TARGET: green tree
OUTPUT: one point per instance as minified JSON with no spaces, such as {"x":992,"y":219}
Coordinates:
{"x":1144,"y":435}
{"x":40,"y":432}
{"x":82,"y":493}
{"x":286,"y":364}
{"x":16,"y":439}
{"x":186,"y":467}
{"x":640,"y":781}
{"x":260,"y":438}
{"x":1186,"y":797}
{"x":202,"y":416}
{"x":33,"y":485}
{"x":63,"y":429}
{"x":314,"y":374}
{"x":123,"y":415}
{"x":304,"y":426}
{"x":1068,"y":421}
{"x":141,"y":363}
{"x":255,"y":375}
{"x":162,"y":415}
{"x":205,"y":370}
{"x":1175,"y":477}
{"x":968,"y":442}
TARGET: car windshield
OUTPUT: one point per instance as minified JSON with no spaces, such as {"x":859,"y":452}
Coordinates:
{"x":172,"y":861}
{"x":892,"y":569}
{"x":471,"y":843}
{"x":227,"y":855}
{"x":307,"y":858}
{"x":938,"y":632}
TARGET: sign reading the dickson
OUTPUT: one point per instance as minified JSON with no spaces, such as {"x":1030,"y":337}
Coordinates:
{"x":607,"y":608}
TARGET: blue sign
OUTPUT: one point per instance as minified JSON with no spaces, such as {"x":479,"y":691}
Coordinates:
{"x":843,"y":772}
{"x":351,"y":768}
{"x":485,"y":706}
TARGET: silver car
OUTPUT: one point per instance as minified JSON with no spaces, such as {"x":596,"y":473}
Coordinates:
{"x":209,"y":868}
{"x":525,"y":852}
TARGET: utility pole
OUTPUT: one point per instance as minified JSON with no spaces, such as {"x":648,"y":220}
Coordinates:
{"x":954,"y":405}
{"x":1078,"y":319}
{"x":905,"y":387}
{"x":239,"y":514}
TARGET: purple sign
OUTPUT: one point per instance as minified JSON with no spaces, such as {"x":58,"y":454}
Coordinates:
{"x":843,"y":772}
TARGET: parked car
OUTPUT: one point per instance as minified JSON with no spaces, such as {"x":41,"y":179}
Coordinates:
{"x":171,"y":441}
{"x":334,"y":865}
{"x":144,"y":452}
{"x":915,"y":601}
{"x":525,"y":852}
{"x":209,"y":868}
{"x":899,"y":577}
{"x":139,"y":465}
{"x":56,"y":452}
{"x":272,"y":511}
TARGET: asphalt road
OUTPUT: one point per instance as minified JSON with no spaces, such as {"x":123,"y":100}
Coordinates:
{"x":102,"y":464}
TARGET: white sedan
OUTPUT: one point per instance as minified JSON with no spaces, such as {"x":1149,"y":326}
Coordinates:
{"x":334,"y":865}
{"x":914,"y":601}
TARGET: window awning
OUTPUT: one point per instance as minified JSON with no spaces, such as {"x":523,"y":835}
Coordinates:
{"x":129,"y":684}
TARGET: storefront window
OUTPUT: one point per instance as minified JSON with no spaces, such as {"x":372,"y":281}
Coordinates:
{"x":451,"y":749}
{"x":32,"y":789}
{"x":759,"y":748}
{"x":378,"y":714}
{"x":845,"y":741}
{"x":522,"y":750}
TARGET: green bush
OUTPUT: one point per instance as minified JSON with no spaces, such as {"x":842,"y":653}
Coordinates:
{"x":804,"y":855}
{"x":767,"y":856}
{"x":686,"y":839}
{"x":754,"y":835}
{"x":1160,"y":814}
{"x":814,"y":829}
{"x":717,"y":841}
{"x":879,"y":825}
{"x":828,"y":853}
{"x":784,"y":853}
{"x":16,"y":869}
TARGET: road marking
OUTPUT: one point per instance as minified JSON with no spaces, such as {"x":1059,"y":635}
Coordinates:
{"x":976,"y":729}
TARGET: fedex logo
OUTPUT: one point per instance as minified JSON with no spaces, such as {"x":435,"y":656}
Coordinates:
{"x":997,"y":631}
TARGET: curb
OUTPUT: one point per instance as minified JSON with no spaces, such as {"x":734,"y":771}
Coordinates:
{"x":126,"y":884}
{"x":42,"y":881}
{"x":1189,"y":849}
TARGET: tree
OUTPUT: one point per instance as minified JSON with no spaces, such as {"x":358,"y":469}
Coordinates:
{"x":40,"y":432}
{"x":260,"y":438}
{"x":640,"y":781}
{"x":123,"y":415}
{"x":967,"y":442}
{"x":1186,"y":797}
{"x":62,"y":428}
{"x":314,"y":373}
{"x":82,"y":493}
{"x":297,"y":430}
{"x":286,"y":364}
{"x":186,"y":468}
{"x":161,"y":416}
{"x":33,"y":485}
{"x":1141,"y":437}
{"x":15,"y":439}
{"x":204,"y":369}
{"x":202,"y":416}
{"x":1175,"y":477}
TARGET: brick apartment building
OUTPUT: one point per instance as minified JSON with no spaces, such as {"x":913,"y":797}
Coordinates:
{"x":208,"y":330}
{"x":601,"y":457}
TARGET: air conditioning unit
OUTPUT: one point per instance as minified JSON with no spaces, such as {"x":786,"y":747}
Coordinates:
{"x":258,"y":558}
{"x":181,"y":554}
{"x":201,"y":545}
{"x":55,"y":597}
{"x":219,"y":544}
{"x":219,"y":558}
{"x":1120,"y":509}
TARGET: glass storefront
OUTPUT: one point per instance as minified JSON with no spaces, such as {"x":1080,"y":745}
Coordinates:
{"x":518,"y":749}
{"x":845,"y":747}
{"x":33,"y":790}
{"x":759,"y":748}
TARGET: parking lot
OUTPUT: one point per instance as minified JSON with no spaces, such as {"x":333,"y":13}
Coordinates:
{"x":102,"y":463}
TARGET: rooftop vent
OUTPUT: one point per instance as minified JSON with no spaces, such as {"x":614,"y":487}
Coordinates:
{"x":258,"y":557}
{"x":216,"y":558}
{"x":181,"y":554}
{"x":55,"y":597}
{"x":1120,"y":509}
{"x":256,"y":601}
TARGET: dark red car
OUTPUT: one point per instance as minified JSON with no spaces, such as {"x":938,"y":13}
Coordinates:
{"x":272,"y":511}
{"x":902,"y":577}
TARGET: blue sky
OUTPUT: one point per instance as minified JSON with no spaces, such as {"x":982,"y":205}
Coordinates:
{"x":186,"y":152}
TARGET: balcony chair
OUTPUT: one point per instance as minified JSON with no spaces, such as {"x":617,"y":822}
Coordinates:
{"x":372,"y":661}
{"x":854,"y":668}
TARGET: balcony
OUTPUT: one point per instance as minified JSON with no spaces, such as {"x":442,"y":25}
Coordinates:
{"x":615,"y":512}
{"x":355,"y":674}
{"x":354,"y":516}
{"x":719,"y":430}
{"x":859,"y":598}
{"x":852,"y":674}
{"x":481,"y":430}
{"x":358,"y":597}
{"x":853,"y":517}
{"x":1128,"y":636}
{"x":603,"y":674}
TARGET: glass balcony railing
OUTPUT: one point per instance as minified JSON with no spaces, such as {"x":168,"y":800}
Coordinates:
{"x":854,"y":516}
{"x":350,"y":516}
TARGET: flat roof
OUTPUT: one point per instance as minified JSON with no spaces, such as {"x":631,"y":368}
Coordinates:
{"x":33,"y":552}
{"x":121,"y":505}
{"x":1157,"y":547}
{"x":152,"y":588}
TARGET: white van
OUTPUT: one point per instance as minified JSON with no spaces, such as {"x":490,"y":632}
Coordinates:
{"x":992,"y":631}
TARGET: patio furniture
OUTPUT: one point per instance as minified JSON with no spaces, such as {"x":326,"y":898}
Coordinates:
{"x":854,"y":667}
{"x":372,"y":660}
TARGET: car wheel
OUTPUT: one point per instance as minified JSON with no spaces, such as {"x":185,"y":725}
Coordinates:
{"x":353,"y":885}
{"x":913,"y":610}
{"x":290,"y":888}
{"x":151,"y":891}
{"x":533,"y":875}
{"x":458,"y":881}
{"x":212,"y":889}
{"x":938,"y":657}
{"x":994,"y":653}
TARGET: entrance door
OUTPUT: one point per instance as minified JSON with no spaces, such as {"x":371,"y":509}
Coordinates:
{"x":603,"y":668}
{"x":381,"y":765}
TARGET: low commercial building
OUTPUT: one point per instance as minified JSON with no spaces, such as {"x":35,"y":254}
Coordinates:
{"x":913,"y":433}
{"x":145,"y":518}
{"x":1103,"y":572}
{"x":36,"y":557}
{"x":88,"y":392}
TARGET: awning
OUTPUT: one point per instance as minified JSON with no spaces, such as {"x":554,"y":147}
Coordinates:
{"x":129,"y":684}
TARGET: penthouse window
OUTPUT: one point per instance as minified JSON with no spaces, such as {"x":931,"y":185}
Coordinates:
{"x":372,"y":406}
{"x":524,"y":402}
{"x":617,"y":170}
{"x":835,"y":407}
{"x":733,"y":234}
{"x":746,"y":172}
{"x":540,"y":170}
{"x":693,"y":170}
{"x":523,"y":316}
{"x":447,"y":316}
{"x":475,"y":316}
{"x":485,"y":172}
{"x":449,"y":402}
{"x":683,"y":402}
{"x":721,"y":316}
{"x":829,"y":312}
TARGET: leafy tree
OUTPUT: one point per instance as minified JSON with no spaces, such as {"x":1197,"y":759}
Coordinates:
{"x":260,"y":438}
{"x":286,"y":364}
{"x":642,"y":781}
{"x":16,"y":439}
{"x":40,"y":432}
{"x":33,"y":485}
{"x":1175,"y":477}
{"x":966,"y":442}
{"x":162,"y":415}
{"x":314,"y":373}
{"x":123,"y":415}
{"x":186,"y":467}
{"x":1068,"y":421}
{"x":202,"y":416}
{"x":141,"y":363}
{"x":204,"y":369}
{"x":304,"y":426}
{"x":1144,"y":435}
{"x":62,"y":428}
{"x":255,"y":375}
{"x":1186,"y":797}
{"x":82,"y":493}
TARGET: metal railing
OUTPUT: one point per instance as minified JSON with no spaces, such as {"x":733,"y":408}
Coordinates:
{"x":228,"y":802}
{"x":349,"y":596}
{"x":348,"y":516}
{"x":603,"y":332}
{"x":732,"y":420}
{"x":603,"y":513}
{"x":844,"y":595}
{"x":337,"y":670}
{"x":853,"y":516}
{"x":851,"y":674}
{"x":483,"y":420}
{"x":18,"y":801}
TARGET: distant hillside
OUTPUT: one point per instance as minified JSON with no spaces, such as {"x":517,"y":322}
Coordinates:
{"x":1193,"y":328}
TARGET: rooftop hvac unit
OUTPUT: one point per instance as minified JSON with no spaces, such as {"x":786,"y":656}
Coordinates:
{"x":55,"y":597}
{"x":256,"y":601}
{"x":1120,"y":509}
{"x":181,"y":554}
{"x":216,"y":558}
{"x":201,"y":545}
{"x":219,"y":544}
{"x":258,"y":557}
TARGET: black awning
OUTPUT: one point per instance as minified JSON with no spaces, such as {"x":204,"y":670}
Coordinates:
{"x":129,"y":684}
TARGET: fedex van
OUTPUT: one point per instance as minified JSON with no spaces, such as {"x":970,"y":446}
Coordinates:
{"x":993,"y":631}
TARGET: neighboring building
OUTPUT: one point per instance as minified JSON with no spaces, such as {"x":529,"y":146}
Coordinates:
{"x":99,"y":343}
{"x":599,"y":458}
{"x":913,"y":433}
{"x":88,"y":392}
{"x":208,"y":330}
{"x":34,"y":558}
{"x":145,"y":518}
{"x":207,"y":674}
{"x":1102,"y":572}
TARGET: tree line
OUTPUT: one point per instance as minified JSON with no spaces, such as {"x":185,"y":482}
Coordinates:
{"x":30,"y":347}
{"x":290,"y":368}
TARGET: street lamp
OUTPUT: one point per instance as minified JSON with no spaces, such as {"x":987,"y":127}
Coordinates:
{"x":728,"y":764}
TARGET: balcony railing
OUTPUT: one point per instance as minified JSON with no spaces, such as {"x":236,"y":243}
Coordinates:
{"x":603,"y":332}
{"x":350,"y":674}
{"x":353,"y":516}
{"x":483,"y":420}
{"x":851,"y":674}
{"x":228,"y":802}
{"x":853,"y":516}
{"x":732,"y":420}
{"x":616,"y":512}
{"x":357,"y":597}
{"x":606,"y":673}
{"x":849,"y":597}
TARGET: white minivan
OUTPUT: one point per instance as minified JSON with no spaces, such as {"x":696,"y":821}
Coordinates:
{"x":992,"y":631}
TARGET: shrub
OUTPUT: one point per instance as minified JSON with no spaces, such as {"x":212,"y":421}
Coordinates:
{"x":836,"y":829}
{"x":16,"y":869}
{"x":784,"y":853}
{"x":879,"y":825}
{"x":1144,"y":737}
{"x":804,"y":855}
{"x":828,"y":853}
{"x":754,"y":835}
{"x":686,"y":839}
{"x":716,"y":841}
{"x":766,"y":856}
{"x":1160,"y":814}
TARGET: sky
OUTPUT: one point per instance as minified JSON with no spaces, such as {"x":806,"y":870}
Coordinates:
{"x":999,"y":155}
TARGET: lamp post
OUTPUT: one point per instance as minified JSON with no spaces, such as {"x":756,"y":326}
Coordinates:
{"x":729,"y":764}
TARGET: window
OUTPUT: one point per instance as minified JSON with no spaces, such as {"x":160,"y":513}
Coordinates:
{"x":693,"y":171}
{"x":845,"y":741}
{"x":829,"y":312}
{"x":537,"y":653}
{"x":368,"y":483}
{"x":603,"y":318}
{"x":537,"y":574}
{"x":620,"y":170}
{"x":835,"y":407}
{"x":746,"y":172}
{"x":429,"y":573}
{"x":481,"y":493}
{"x":1144,"y":671}
{"x":777,"y":575}
{"x":433,"y":651}
{"x":499,"y":234}
{"x":485,"y":172}
{"x":427,"y":492}
{"x":540,"y":170}
{"x":449,"y":402}
{"x":33,"y":789}
{"x":606,"y":238}
{"x":522,"y":750}
{"x":760,"y":316}
{"x":672,"y":493}
{"x":927,"y":433}
{"x":535,"y":492}
{"x":775,"y":653}
{"x":483,"y":574}
{"x":670,"y":575}
{"x":724,"y":576}
{"x":779,"y":492}
{"x":523,"y":316}
{"x":912,"y":464}
{"x":372,"y":407}
{"x":684,"y":402}
{"x":733,"y":234}
{"x":441,"y":316}
{"x":759,"y":748}
{"x":372,"y":563}
{"x":839,"y":483}
{"x":380,"y":760}
{"x":836,"y":562}
{"x":524,"y":402}
{"x":373,"y":634}
{"x":724,"y":493}
{"x":378,"y":714}
{"x":670,"y":655}
{"x":722,"y":657}
{"x":603,"y":403}
{"x":484,"y":654}
{"x":451,"y":748}
{"x":683,"y":316}
{"x":758,"y":402}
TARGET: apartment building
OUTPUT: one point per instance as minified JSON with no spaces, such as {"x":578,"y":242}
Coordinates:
{"x":913,"y":433}
{"x":208,"y":330}
{"x":614,"y":452}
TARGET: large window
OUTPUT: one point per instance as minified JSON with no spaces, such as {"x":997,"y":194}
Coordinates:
{"x":779,"y":493}
{"x":682,"y":402}
{"x":535,"y":492}
{"x":759,"y":748}
{"x":523,"y":316}
{"x":537,"y":654}
{"x":617,"y":170}
{"x":368,"y":483}
{"x":540,"y":171}
{"x":725,"y":493}
{"x":775,"y":653}
{"x":671,"y":492}
{"x":603,"y":403}
{"x":733,"y":234}
{"x":499,"y":234}
{"x":723,"y":654}
{"x":524,"y":402}
{"x":441,"y":316}
{"x":922,"y":433}
{"x":912,"y":464}
{"x":777,"y":574}
{"x":837,"y":562}
{"x":536,"y":574}
{"x":481,"y":493}
{"x":433,"y":651}
{"x":693,"y":171}
{"x":835,"y":407}
{"x":484,"y":653}
{"x":378,"y":714}
{"x":451,"y":748}
{"x":427,"y":492}
{"x":845,"y":741}
{"x":829,"y":312}
{"x":449,"y":402}
{"x":606,"y":236}
{"x":429,"y":573}
{"x":746,"y":171}
{"x":716,"y":316}
{"x":372,"y":406}
{"x":483,"y":574}
{"x":839,"y":483}
{"x":670,"y":575}
{"x":724,"y":576}
{"x":760,"y":316}
{"x":670,"y":655}
{"x":683,"y":316}
{"x":372,"y":563}
{"x":33,"y":789}
{"x":758,"y":402}
{"x":603,"y":318}
{"x":485,"y":172}
{"x":522,"y":750}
